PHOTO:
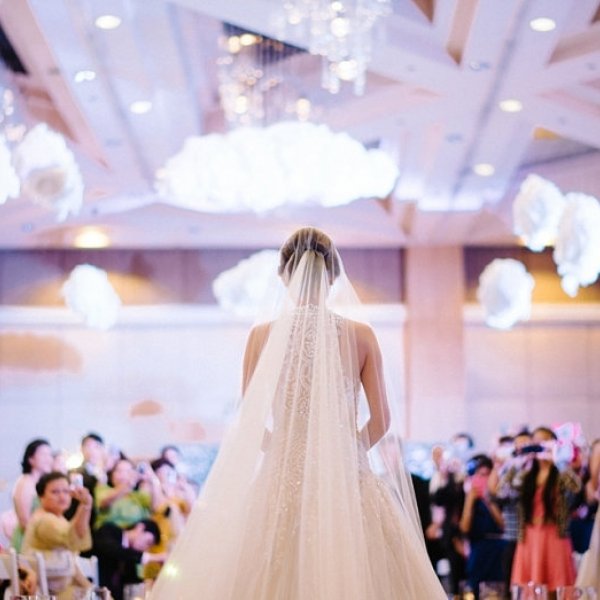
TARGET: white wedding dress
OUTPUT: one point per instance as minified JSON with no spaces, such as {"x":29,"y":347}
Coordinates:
{"x":589,"y":568}
{"x":292,"y":509}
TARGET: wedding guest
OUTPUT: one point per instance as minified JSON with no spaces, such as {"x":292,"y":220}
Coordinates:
{"x":178,"y":498}
{"x":59,"y":539}
{"x":122,"y":552}
{"x":37,"y":460}
{"x":27,"y":580}
{"x":507,"y":498}
{"x":129,"y":496}
{"x":482,"y":523}
{"x":544,"y":553}
{"x":91,"y":472}
{"x":447,"y":497}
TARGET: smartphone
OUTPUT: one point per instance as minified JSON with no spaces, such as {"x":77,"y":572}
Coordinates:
{"x":76,"y":480}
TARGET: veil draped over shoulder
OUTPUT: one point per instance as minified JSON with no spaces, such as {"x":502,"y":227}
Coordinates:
{"x":291,"y":509}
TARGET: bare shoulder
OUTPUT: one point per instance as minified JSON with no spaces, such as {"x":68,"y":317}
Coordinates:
{"x":24,"y":482}
{"x":364,"y":333}
{"x":365,"y":340}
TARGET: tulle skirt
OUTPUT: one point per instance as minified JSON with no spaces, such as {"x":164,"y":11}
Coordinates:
{"x":589,"y":569}
{"x":284,"y":555}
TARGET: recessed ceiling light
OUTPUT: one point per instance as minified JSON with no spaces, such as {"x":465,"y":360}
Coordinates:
{"x":484,"y":169}
{"x":85,"y":75}
{"x":107,"y":22}
{"x":542,"y":24}
{"x":511,"y":105}
{"x":91,"y":237}
{"x":248,"y":39}
{"x":140,"y":107}
{"x":234,"y":44}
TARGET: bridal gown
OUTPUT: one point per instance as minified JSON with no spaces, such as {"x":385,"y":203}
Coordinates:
{"x":297,"y":513}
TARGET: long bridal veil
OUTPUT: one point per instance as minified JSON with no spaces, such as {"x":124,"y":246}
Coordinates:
{"x":291,"y":509}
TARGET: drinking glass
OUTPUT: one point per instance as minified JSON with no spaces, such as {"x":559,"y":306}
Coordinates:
{"x":573,"y":592}
{"x":491,"y":590}
{"x":34,"y":597}
{"x":529,"y":591}
{"x":134,"y":591}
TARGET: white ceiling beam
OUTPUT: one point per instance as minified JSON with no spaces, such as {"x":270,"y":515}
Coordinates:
{"x":566,"y":122}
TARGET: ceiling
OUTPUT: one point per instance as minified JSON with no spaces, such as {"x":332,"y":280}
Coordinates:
{"x":438,"y":72}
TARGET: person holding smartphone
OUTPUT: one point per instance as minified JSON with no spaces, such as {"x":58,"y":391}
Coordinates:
{"x":132,"y":494}
{"x":544,"y":552}
{"x":482,"y":523}
{"x":60,"y":540}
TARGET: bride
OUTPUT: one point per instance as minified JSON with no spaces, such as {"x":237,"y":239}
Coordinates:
{"x":291,"y":509}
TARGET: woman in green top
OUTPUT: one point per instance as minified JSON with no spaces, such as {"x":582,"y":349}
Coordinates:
{"x":37,"y":460}
{"x":129,"y":496}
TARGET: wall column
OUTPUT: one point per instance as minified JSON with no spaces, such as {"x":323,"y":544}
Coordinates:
{"x":435,"y":363}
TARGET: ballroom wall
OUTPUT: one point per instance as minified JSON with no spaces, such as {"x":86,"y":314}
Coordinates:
{"x":170,"y":369}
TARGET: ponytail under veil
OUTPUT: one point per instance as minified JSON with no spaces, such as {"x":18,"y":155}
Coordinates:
{"x":291,"y":509}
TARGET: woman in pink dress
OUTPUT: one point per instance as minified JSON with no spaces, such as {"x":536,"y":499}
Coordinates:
{"x":544,"y":551}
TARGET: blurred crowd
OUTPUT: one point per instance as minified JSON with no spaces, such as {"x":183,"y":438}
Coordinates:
{"x":126,"y":513}
{"x":522,"y":513}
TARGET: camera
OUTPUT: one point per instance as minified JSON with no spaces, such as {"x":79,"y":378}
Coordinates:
{"x":529,"y":449}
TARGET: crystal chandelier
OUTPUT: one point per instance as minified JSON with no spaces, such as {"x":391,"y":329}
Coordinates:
{"x":340,"y":31}
{"x":256,"y":83}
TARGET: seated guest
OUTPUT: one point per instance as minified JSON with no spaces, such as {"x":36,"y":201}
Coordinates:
{"x":27,"y":581}
{"x":58,"y":539}
{"x":129,"y":497}
{"x":122,"y":553}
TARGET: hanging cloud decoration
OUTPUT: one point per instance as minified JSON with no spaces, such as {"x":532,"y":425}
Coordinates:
{"x":9,"y":180}
{"x":577,"y":249}
{"x":48,"y":171}
{"x":252,"y":169}
{"x":537,"y":210}
{"x":505,"y":289}
{"x":243,"y":288}
{"x":88,"y":292}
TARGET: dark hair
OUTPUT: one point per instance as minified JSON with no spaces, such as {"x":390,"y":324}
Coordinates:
{"x":169,"y":447}
{"x":122,"y":458}
{"x":477,"y":462}
{"x":92,"y":436}
{"x":150,"y":526}
{"x":46,"y":478}
{"x":161,"y":462}
{"x":303,"y":240}
{"x":466,"y":436}
{"x":30,"y":451}
{"x":505,"y":439}
{"x":528,"y":492}
{"x":547,"y":431}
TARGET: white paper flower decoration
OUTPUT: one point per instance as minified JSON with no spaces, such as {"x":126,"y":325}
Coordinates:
{"x":243,"y":288}
{"x":505,"y":289}
{"x":88,"y":292}
{"x":577,"y":250}
{"x":537,"y":210}
{"x":251,"y":169}
{"x":9,"y":181}
{"x":48,"y":171}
